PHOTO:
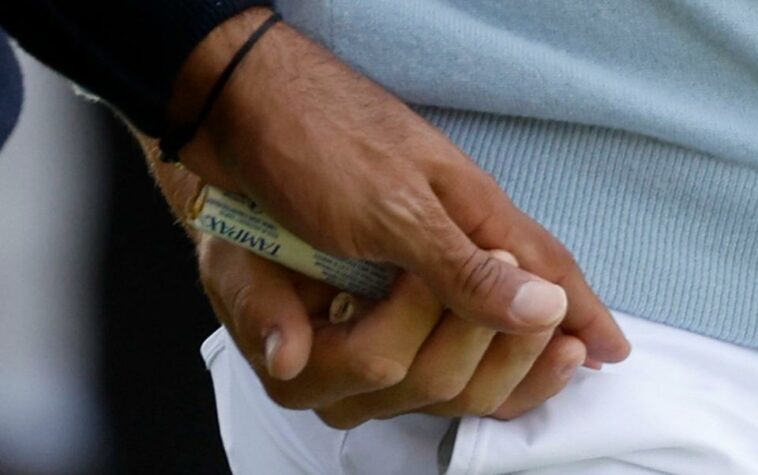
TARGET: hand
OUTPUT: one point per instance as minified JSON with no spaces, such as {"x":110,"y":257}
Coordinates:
{"x":349,"y":168}
{"x":405,"y":354}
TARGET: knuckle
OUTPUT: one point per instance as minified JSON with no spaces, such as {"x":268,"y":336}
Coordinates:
{"x":524,"y":356}
{"x":558,"y":359}
{"x":440,"y":389}
{"x":487,"y":408}
{"x":542,"y":250}
{"x":569,"y":353}
{"x":242,"y":300}
{"x":284,"y":396}
{"x":529,"y":348}
{"x":337,"y":420}
{"x":508,"y":411}
{"x":378,"y":371}
{"x":482,"y":408}
{"x":479,"y":276}
{"x":561,"y":260}
{"x":246,"y":326}
{"x":476,"y":404}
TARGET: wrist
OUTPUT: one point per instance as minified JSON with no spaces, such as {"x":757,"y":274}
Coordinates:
{"x":206,"y":63}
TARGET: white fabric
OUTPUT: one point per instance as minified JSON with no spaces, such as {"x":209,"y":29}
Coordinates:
{"x":682,"y":403}
{"x":52,"y":193}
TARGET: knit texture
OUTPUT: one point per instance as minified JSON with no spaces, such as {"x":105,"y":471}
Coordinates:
{"x":661,"y":231}
{"x":628,"y":128}
{"x":10,"y":89}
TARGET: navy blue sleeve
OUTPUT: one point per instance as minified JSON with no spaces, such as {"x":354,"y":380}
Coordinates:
{"x":128,"y":52}
{"x":10,"y":89}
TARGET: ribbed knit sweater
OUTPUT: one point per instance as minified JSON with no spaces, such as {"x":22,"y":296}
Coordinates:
{"x":628,"y":128}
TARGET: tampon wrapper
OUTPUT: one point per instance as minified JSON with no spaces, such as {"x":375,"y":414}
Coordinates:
{"x":242,"y":221}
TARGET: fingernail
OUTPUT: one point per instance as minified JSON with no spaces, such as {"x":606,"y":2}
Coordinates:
{"x":342,"y":308}
{"x":592,"y":363}
{"x":272,"y":343}
{"x":504,"y":256}
{"x":567,"y":371}
{"x":539,"y":303}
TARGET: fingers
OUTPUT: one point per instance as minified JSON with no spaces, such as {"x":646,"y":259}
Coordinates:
{"x":477,"y":286}
{"x":346,"y":306}
{"x":508,"y":359}
{"x":258,"y":304}
{"x":440,"y":371}
{"x":394,"y":358}
{"x":550,"y":374}
{"x":482,"y":210}
{"x":366,"y":354}
{"x":587,"y":317}
{"x":449,"y":375}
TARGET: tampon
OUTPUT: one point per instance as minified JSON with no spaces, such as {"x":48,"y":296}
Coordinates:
{"x":243,"y":222}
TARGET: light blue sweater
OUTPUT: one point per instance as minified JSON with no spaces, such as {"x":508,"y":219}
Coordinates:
{"x":628,"y":128}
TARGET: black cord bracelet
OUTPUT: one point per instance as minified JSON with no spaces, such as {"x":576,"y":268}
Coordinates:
{"x":175,"y":139}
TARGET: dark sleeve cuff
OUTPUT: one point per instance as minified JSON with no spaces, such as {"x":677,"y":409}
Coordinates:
{"x":11,"y":91}
{"x":127,"y":52}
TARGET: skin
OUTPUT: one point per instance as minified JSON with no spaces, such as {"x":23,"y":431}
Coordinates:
{"x":349,"y":168}
{"x":404,"y":354}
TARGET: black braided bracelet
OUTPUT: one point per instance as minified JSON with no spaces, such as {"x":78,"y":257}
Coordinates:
{"x":174,"y":140}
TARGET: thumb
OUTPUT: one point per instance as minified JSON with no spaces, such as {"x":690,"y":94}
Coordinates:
{"x":479,"y":285}
{"x":258,"y":304}
{"x":286,"y":332}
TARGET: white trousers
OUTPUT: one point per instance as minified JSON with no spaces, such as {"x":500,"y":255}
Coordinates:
{"x":682,"y":403}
